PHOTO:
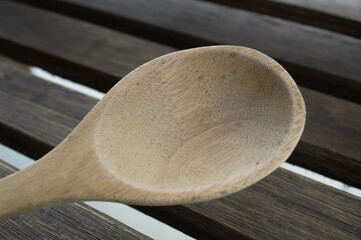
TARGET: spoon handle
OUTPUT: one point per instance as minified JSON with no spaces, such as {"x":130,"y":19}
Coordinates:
{"x":39,"y":185}
{"x":23,"y":192}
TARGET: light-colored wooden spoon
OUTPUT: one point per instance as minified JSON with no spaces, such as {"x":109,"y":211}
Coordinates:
{"x":186,"y":127}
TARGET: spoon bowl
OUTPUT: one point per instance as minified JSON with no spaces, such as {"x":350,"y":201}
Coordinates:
{"x":186,"y":127}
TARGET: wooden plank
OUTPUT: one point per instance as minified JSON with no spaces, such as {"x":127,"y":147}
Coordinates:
{"x":335,"y":15}
{"x":17,"y":83}
{"x":68,"y":221}
{"x":283,"y":205}
{"x":41,"y":104}
{"x":93,"y":55}
{"x":347,"y":9}
{"x":332,"y":149}
{"x":331,"y":141}
{"x":316,"y":58}
{"x":33,"y":124}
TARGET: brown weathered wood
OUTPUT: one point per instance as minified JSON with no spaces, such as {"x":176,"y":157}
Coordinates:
{"x":19,"y":96}
{"x":70,"y":221}
{"x":332,"y":149}
{"x":16,"y":83}
{"x":73,"y":48}
{"x":34,"y":118}
{"x":346,"y":9}
{"x":283,"y":205}
{"x":300,"y":209}
{"x":335,"y":15}
{"x":316,"y":58}
{"x":332,"y":136}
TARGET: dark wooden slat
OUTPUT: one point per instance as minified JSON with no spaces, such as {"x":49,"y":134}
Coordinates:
{"x":331,"y":141}
{"x":316,"y":58}
{"x":332,"y":149}
{"x":33,"y":123}
{"x":346,"y":9}
{"x":93,"y":55}
{"x":21,"y":93}
{"x":335,"y":15}
{"x":16,"y":83}
{"x":69,"y":221}
{"x":283,"y":205}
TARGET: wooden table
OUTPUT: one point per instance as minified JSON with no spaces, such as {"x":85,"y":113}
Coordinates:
{"x":96,"y":43}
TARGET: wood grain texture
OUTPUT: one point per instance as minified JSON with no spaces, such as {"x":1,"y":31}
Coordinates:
{"x":16,"y":83}
{"x":295,"y":207}
{"x":334,"y":153}
{"x":326,"y":148}
{"x":19,"y":96}
{"x":73,"y":48}
{"x":199,"y":140}
{"x":335,"y":15}
{"x":299,"y":209}
{"x":349,"y":9}
{"x":333,"y":126}
{"x":316,"y":58}
{"x":70,"y":221}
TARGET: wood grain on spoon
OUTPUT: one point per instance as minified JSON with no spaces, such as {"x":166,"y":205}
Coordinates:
{"x":189,"y":126}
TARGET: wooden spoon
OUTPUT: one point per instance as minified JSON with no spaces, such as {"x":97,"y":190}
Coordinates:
{"x":186,"y":127}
